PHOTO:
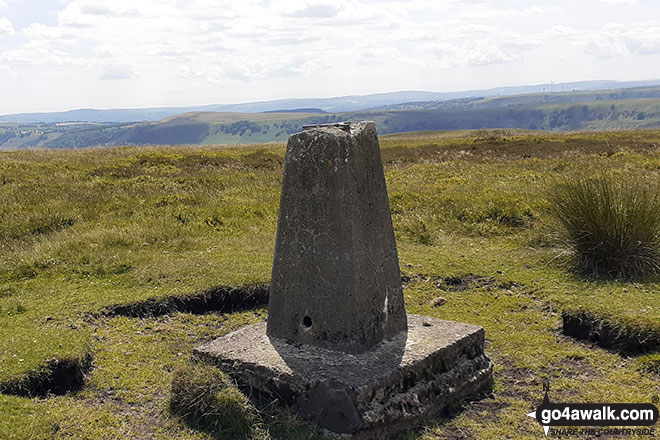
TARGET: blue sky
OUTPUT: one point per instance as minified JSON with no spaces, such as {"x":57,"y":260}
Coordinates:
{"x":65,"y":54}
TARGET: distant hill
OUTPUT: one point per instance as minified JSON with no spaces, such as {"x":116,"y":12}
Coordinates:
{"x":634,"y":108}
{"x":350,"y":103}
{"x":297,"y":110}
{"x":535,"y":99}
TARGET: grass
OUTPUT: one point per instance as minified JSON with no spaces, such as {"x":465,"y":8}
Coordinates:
{"x":84,"y":230}
{"x":611,"y":223}
{"x":650,"y":363}
{"x":204,"y":397}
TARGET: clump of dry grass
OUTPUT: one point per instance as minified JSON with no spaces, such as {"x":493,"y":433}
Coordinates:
{"x":611,"y":223}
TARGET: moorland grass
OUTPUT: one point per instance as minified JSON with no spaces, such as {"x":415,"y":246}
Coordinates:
{"x":650,"y":363}
{"x":84,"y":230}
{"x":203,"y":396}
{"x":610,"y":222}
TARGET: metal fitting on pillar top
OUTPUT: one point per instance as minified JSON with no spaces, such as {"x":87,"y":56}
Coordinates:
{"x":346,"y":126}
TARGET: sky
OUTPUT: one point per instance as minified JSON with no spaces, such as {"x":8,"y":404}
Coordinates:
{"x":64,"y":54}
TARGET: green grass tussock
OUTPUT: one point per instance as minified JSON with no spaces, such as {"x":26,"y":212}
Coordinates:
{"x":611,"y":223}
{"x":649,"y":363}
{"x":203,"y":396}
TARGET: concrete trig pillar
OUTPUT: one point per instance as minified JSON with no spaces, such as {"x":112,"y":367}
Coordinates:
{"x":336,"y":281}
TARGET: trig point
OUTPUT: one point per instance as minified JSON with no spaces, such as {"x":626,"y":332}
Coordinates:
{"x":336,"y":281}
{"x":338,"y":348}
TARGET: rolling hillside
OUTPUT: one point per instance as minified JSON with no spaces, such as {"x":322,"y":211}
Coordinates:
{"x":530,"y":99}
{"x":637,"y":108}
{"x":330,"y":105}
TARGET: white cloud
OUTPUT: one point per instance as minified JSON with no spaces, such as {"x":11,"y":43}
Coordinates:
{"x":471,"y":45}
{"x":109,"y":10}
{"x":189,"y":72}
{"x":7,"y":74}
{"x":294,"y":39}
{"x":643,"y":39}
{"x":6,"y":27}
{"x":39,"y":56}
{"x":318,"y":10}
{"x":619,"y":2}
{"x":307,"y":8}
{"x":371,"y":56}
{"x":49,"y":36}
{"x":489,"y":52}
{"x":117,"y":72}
{"x":603,"y":45}
{"x":244,"y":68}
{"x":560,"y":31}
{"x":479,"y":52}
{"x":618,"y":41}
{"x":487,"y":11}
{"x":104,"y":50}
{"x":248,"y":41}
{"x":224,"y":50}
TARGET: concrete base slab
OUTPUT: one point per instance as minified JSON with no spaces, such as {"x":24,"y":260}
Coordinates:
{"x":373,"y":394}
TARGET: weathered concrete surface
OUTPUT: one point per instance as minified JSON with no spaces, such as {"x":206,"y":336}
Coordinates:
{"x":336,"y":280}
{"x":372,"y":394}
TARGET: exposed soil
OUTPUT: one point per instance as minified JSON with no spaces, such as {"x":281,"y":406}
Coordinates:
{"x":58,"y":377}
{"x":584,"y":326}
{"x":216,"y":299}
{"x":418,"y":278}
{"x":458,"y":283}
